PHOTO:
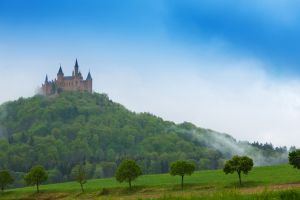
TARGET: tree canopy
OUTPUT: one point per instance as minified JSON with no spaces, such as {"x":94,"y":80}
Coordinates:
{"x":128,"y":171}
{"x":5,"y":179}
{"x":294,"y":158}
{"x":182,"y":168}
{"x":36,"y":176}
{"x":239,"y":164}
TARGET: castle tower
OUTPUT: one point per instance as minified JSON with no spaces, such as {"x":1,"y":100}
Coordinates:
{"x":60,"y":74}
{"x":46,"y":79}
{"x":46,"y":87}
{"x":76,"y":67}
{"x":89,"y":82}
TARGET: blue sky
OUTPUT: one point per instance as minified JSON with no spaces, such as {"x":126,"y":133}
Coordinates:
{"x":209,"y":62}
{"x":265,"y":29}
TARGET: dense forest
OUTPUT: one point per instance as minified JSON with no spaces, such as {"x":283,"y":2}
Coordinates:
{"x":61,"y":131}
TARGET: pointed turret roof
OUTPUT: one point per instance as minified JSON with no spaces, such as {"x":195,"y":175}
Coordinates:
{"x":89,"y":77}
{"x":46,"y":79}
{"x":60,"y":70}
{"x":76,"y":64}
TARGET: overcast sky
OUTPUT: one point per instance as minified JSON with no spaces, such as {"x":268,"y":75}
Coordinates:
{"x":231,"y":66}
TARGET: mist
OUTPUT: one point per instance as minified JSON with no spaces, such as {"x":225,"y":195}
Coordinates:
{"x":228,"y":146}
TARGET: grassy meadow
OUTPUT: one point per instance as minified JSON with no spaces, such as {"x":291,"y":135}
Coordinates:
{"x":270,"y":182}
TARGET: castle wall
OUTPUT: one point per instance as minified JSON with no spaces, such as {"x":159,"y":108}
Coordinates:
{"x":89,"y":85}
{"x":74,"y":85}
{"x":46,"y":88}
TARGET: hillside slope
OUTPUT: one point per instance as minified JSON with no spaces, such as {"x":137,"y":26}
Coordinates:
{"x":60,"y":132}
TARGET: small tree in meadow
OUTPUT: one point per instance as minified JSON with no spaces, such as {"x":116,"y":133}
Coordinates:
{"x":79,"y":174}
{"x":294,"y":158}
{"x":128,"y":171}
{"x":239,"y":164}
{"x":36,"y":176}
{"x":5,"y":179}
{"x":182,"y":168}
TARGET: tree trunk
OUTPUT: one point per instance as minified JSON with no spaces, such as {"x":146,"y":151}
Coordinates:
{"x":37,"y":187}
{"x":182,"y":182}
{"x":129,"y":184}
{"x":239,"y":173}
{"x":81,"y":187}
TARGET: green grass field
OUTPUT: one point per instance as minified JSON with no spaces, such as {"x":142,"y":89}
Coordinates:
{"x":210,"y":184}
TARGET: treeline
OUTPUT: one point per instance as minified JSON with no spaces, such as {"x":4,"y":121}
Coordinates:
{"x":60,"y":132}
{"x":129,"y":170}
{"x":270,"y":148}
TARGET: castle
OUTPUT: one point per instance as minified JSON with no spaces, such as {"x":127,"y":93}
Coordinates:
{"x":68,"y":83}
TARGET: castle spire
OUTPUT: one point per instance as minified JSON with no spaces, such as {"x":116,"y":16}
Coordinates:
{"x":46,"y":79}
{"x":60,"y":72}
{"x":76,"y":67}
{"x":89,"y":77}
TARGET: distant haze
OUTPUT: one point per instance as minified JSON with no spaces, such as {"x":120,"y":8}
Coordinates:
{"x":231,"y":67}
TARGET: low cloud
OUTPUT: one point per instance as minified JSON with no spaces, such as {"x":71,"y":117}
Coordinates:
{"x":239,"y":99}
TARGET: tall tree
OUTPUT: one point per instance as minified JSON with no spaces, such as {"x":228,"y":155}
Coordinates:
{"x":36,"y":176}
{"x":79,"y":174}
{"x":5,"y":179}
{"x":182,"y":168}
{"x":294,"y":158}
{"x":239,"y":164}
{"x":128,"y":171}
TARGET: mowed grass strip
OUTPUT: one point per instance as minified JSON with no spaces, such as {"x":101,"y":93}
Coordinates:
{"x":206,"y":181}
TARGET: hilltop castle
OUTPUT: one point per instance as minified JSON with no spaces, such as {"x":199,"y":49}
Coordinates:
{"x":68,"y":83}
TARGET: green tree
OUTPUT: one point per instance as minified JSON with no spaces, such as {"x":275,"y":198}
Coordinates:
{"x":294,"y":158}
{"x":182,"y":168}
{"x":5,"y":179}
{"x":79,"y":174}
{"x":238,"y":164}
{"x":36,"y":176}
{"x":128,"y":171}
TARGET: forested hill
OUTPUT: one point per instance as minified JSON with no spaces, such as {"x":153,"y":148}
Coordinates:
{"x":62,"y":131}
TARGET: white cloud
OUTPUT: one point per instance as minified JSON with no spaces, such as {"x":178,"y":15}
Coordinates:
{"x":239,"y":99}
